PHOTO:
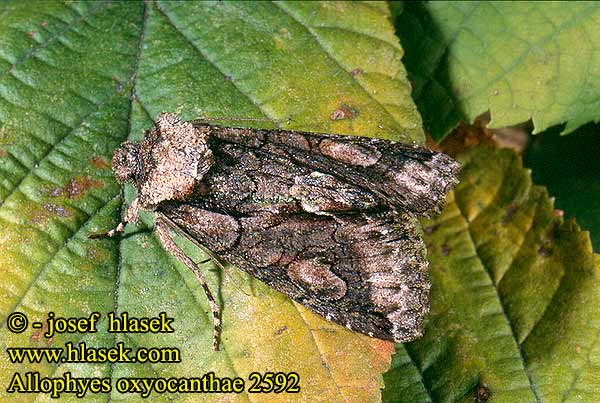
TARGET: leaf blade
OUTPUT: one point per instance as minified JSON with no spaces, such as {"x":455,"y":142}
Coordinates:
{"x":535,"y":60}
{"x":512,"y":286}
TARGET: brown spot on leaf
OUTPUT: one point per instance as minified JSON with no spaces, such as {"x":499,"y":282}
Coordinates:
{"x":559,"y":213}
{"x":31,"y":34}
{"x":545,"y":250}
{"x":446,"y":249}
{"x":47,"y":211}
{"x":343,"y":112}
{"x":38,"y":334}
{"x":547,"y":246}
{"x":76,"y":187}
{"x":91,"y":253}
{"x":280,"y":331}
{"x":99,"y":162}
{"x":356,"y":71}
{"x":3,"y":152}
{"x":95,"y":254}
{"x":430,"y":229}
{"x":509,"y":213}
{"x":482,"y":394}
{"x":53,"y":208}
{"x":44,"y":24}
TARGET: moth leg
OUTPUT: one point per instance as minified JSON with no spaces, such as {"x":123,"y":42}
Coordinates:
{"x":162,"y":226}
{"x":131,"y":216}
{"x":211,"y":255}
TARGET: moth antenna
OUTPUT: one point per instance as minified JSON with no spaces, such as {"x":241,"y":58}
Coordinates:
{"x":216,"y":118}
{"x":213,"y":118}
{"x":162,"y":226}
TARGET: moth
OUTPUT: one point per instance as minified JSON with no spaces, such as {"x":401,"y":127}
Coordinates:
{"x":328,"y":220}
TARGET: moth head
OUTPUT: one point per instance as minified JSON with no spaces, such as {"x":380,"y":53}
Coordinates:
{"x":125,"y":161}
{"x":168,"y":164}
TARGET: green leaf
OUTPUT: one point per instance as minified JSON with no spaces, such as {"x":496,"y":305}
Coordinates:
{"x":79,"y":78}
{"x":515,"y":291}
{"x":569,"y":167}
{"x":519,"y":60}
{"x":245,"y":59}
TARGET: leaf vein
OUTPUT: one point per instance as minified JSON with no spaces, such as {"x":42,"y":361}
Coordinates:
{"x":517,"y":61}
{"x":56,"y":36}
{"x":59,"y":248}
{"x":503,"y":309}
{"x":323,"y":360}
{"x":212,"y":61}
{"x":58,"y":142}
{"x":335,"y":60}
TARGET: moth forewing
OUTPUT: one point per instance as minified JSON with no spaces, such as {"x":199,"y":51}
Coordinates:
{"x":365,"y":272}
{"x":411,"y":178}
{"x":327,"y":220}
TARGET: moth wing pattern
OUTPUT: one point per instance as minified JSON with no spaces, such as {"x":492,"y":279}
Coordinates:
{"x":365,"y":272}
{"x":247,"y":180}
{"x":412,"y":178}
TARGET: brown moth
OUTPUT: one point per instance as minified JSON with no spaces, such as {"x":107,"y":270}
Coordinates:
{"x":327,"y":220}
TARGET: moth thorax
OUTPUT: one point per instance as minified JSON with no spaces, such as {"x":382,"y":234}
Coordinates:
{"x":125,"y":161}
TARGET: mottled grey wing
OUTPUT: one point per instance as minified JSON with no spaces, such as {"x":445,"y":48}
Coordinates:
{"x":412,"y":178}
{"x":245,"y":180}
{"x":365,"y":271}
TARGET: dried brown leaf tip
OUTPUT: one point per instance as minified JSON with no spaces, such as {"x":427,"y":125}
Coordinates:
{"x":327,"y":220}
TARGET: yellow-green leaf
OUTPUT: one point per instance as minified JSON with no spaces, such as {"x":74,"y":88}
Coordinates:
{"x":515,"y":295}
